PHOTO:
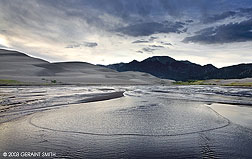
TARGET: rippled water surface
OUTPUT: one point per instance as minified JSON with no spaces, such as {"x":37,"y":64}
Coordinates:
{"x":149,"y":122}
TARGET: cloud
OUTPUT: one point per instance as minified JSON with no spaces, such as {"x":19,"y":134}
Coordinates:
{"x":152,"y":48}
{"x":189,"y":21}
{"x":143,"y":9}
{"x":166,"y":43}
{"x":152,"y":38}
{"x":241,"y":12}
{"x":218,"y":17}
{"x":147,"y":49}
{"x":49,"y":28}
{"x":233,"y":32}
{"x":90,"y":44}
{"x":156,"y":46}
{"x":140,"y":41}
{"x":3,"y":46}
{"x":146,"y":29}
{"x":247,"y":11}
{"x":85,"y":44}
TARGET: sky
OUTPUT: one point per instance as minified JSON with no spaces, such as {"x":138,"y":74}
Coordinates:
{"x":112,"y":31}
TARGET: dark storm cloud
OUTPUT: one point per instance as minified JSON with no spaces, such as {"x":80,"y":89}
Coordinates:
{"x":146,"y":29}
{"x":38,"y":17}
{"x":218,"y":17}
{"x":125,"y":8}
{"x":85,"y":44}
{"x":233,"y":32}
{"x":128,"y":10}
{"x":189,"y":21}
{"x":65,"y":20}
{"x":241,"y":12}
{"x":246,"y":10}
{"x":143,"y":8}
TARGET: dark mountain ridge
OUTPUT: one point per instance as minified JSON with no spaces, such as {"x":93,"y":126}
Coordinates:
{"x":169,"y":68}
{"x":15,"y":63}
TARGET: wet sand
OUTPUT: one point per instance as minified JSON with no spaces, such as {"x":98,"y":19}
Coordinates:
{"x":241,"y":115}
{"x":18,"y":102}
{"x":136,"y":126}
{"x":128,"y":122}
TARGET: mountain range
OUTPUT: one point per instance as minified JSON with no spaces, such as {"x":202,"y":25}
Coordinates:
{"x":168,"y":68}
{"x":18,"y":66}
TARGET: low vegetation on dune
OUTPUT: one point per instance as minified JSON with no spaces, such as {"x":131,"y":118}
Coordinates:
{"x":192,"y":82}
{"x":9,"y":82}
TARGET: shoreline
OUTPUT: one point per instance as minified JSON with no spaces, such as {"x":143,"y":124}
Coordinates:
{"x":95,"y":98}
{"x":117,"y":84}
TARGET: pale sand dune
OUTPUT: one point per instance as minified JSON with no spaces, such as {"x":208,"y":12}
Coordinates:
{"x":13,"y":63}
{"x":18,"y":66}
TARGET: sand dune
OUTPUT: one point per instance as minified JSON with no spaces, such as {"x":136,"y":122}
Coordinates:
{"x":14,"y":63}
{"x":19,"y":66}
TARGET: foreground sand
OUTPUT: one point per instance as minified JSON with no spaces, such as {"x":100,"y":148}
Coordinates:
{"x":25,"y":105}
{"x":241,"y":115}
{"x":136,"y":125}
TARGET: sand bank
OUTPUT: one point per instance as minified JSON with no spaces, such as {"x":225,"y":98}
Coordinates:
{"x":9,"y":110}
